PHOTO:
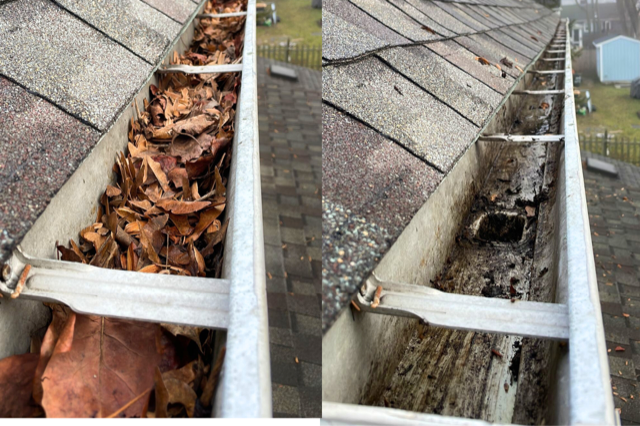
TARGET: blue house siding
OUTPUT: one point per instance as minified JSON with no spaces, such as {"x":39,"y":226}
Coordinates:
{"x":620,"y":60}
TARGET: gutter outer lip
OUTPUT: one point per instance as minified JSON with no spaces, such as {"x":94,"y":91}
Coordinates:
{"x":591,"y":401}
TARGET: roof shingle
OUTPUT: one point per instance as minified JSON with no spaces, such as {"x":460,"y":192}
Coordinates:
{"x":130,"y":22}
{"x":399,"y":109}
{"x":67,"y":70}
{"x":402,"y":105}
{"x":40,"y":147}
{"x":53,"y":53}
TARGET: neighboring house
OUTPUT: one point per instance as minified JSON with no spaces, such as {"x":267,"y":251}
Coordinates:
{"x":606,"y":21}
{"x":617,"y":58}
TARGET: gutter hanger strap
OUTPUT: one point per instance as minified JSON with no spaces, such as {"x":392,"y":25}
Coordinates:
{"x":221,"y":15}
{"x":538,"y":92}
{"x":522,"y":138}
{"x":194,"y":301}
{"x":462,"y":312}
{"x":206,"y":69}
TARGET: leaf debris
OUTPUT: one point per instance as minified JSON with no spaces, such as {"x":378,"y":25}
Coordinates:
{"x":164,"y":213}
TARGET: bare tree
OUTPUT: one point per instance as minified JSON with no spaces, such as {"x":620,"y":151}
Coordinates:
{"x":588,"y":10}
{"x":628,"y":11}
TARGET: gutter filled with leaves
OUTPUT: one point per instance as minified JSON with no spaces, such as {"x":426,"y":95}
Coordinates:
{"x":164,"y":214}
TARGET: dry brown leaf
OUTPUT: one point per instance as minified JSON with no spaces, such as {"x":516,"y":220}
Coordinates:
{"x":162,"y":395}
{"x":16,"y":376}
{"x":96,"y":239}
{"x":148,"y":246}
{"x":424,"y":27}
{"x":170,"y":390}
{"x":150,"y":269}
{"x":77,"y":251}
{"x":205,"y":140}
{"x":69,"y":255}
{"x":128,"y":214}
{"x":182,"y":207}
{"x":134,"y":228}
{"x":192,"y":333}
{"x":207,"y":217}
{"x":199,"y":261}
{"x":113,"y":362}
{"x":193,"y":125}
{"x":187,"y":374}
{"x":59,"y":317}
{"x":181,"y":393}
{"x":130,"y":403}
{"x":157,"y":114}
{"x":215,"y":227}
{"x":220,"y":189}
{"x":182,"y":224}
{"x":112,"y":191}
{"x":144,"y":205}
{"x":199,"y":167}
{"x":482,"y":60}
{"x":105,"y":253}
{"x":178,"y":176}
{"x":156,"y":168}
{"x":164,"y":133}
{"x":186,"y":147}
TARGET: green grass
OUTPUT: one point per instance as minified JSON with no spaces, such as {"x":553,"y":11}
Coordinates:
{"x":298,"y":21}
{"x":616,"y":110}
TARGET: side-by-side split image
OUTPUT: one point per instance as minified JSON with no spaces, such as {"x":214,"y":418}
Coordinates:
{"x":335,"y":212}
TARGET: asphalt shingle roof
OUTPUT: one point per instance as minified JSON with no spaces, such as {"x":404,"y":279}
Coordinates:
{"x":67,"y":69}
{"x":130,"y":22}
{"x":180,"y":10}
{"x":404,"y":96}
{"x":52,"y":53}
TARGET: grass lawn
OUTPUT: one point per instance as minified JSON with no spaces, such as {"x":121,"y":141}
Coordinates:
{"x":298,"y":21}
{"x":616,"y":110}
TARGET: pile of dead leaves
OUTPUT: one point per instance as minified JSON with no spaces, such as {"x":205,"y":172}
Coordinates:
{"x":211,"y":43}
{"x":90,"y":366}
{"x":163,"y":214}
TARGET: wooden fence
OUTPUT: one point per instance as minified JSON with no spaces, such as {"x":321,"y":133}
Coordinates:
{"x":616,"y":147}
{"x":586,"y":61}
{"x":304,"y":56}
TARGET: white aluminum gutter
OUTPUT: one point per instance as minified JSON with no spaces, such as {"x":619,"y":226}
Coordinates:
{"x":576,"y":316}
{"x":236,"y":302}
{"x":246,"y":376}
{"x":590,"y":397}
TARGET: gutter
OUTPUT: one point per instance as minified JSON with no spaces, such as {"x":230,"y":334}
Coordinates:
{"x":235,"y":304}
{"x":582,"y":395}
